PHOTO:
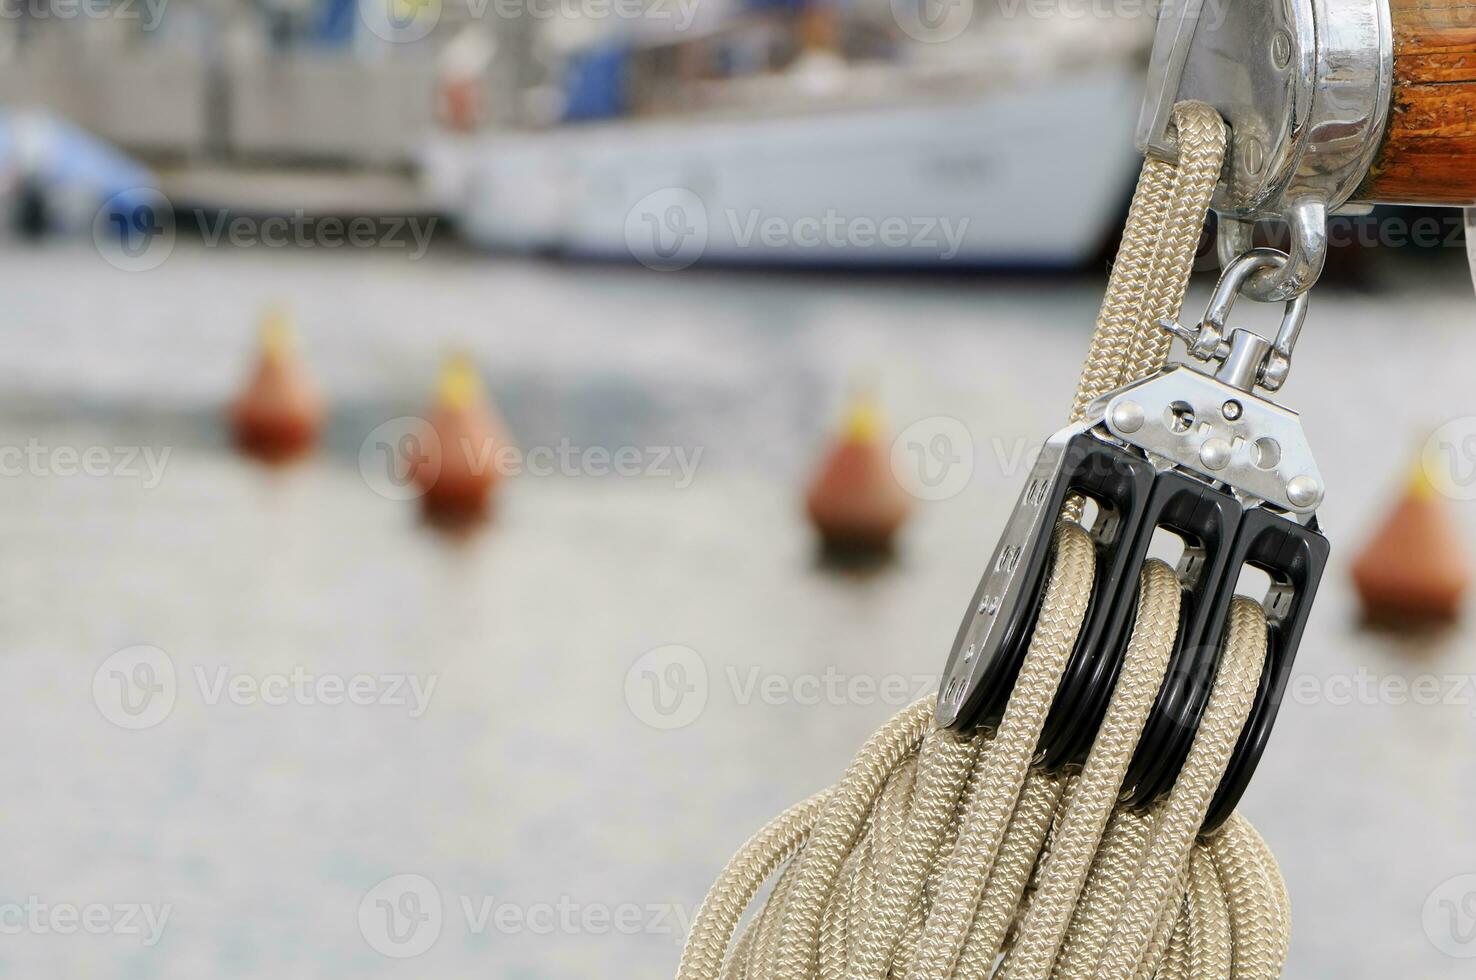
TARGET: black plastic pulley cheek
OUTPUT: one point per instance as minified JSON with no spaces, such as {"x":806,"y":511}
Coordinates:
{"x":1112,"y":605}
{"x":1072,"y":709}
{"x":1206,"y":519}
{"x":995,"y":633}
{"x":1294,"y":557}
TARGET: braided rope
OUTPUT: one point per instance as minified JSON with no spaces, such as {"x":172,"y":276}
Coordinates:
{"x":939,"y":855}
{"x":1159,"y":244}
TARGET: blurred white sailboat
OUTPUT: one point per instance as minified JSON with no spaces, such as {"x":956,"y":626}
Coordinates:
{"x":920,"y":162}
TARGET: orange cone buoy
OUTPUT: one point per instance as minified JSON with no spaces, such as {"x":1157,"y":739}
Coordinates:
{"x":855,"y":501}
{"x":460,"y":467}
{"x":280,"y":414}
{"x":1413,"y":571}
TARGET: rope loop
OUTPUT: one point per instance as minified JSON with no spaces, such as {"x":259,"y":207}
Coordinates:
{"x":944,"y":856}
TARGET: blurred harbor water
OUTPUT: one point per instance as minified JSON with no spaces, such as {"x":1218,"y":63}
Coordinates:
{"x":567,"y":822}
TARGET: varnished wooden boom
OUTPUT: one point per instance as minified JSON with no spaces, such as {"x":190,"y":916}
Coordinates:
{"x":1428,"y":155}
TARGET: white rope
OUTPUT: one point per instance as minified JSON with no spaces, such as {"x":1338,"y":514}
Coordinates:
{"x":939,"y":856}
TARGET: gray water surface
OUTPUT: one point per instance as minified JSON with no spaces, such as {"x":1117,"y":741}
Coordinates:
{"x":565,"y":795}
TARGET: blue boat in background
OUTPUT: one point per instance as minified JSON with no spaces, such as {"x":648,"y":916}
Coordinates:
{"x":56,"y":178}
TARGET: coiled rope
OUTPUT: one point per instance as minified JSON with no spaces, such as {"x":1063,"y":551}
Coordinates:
{"x":941,"y":855}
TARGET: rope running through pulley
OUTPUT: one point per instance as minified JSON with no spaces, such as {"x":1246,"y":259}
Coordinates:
{"x":952,"y":854}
